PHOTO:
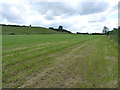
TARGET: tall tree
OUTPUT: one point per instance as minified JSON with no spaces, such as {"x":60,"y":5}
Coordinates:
{"x":105,"y":30}
{"x":60,"y":28}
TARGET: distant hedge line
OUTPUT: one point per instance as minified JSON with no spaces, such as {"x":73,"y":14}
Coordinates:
{"x":114,"y":35}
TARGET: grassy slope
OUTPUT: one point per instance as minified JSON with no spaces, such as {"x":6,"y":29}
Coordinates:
{"x":28,"y":30}
{"x":59,"y":61}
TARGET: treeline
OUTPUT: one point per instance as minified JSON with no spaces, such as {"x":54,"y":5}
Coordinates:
{"x":114,"y":35}
{"x":60,"y":29}
{"x":90,"y":33}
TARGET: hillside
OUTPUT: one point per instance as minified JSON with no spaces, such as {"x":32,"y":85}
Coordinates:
{"x":19,"y":30}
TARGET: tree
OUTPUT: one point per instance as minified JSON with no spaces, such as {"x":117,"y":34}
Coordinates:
{"x":118,"y":27}
{"x":105,"y":30}
{"x":60,"y":28}
{"x":51,"y":28}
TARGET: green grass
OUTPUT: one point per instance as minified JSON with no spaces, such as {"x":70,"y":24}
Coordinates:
{"x":6,"y":30}
{"x":59,"y":61}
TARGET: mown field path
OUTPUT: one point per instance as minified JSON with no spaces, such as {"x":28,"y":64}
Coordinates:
{"x":66,"y":61}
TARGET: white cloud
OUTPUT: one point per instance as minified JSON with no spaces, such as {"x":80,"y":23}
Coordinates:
{"x":76,"y":16}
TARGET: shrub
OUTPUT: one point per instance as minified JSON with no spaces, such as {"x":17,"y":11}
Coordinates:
{"x":11,"y":33}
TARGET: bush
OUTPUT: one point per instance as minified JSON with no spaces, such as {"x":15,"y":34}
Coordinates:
{"x":11,"y":33}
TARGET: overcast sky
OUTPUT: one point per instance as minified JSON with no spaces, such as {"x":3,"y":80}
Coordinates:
{"x":73,"y":15}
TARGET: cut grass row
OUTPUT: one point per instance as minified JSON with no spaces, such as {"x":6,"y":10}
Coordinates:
{"x":23,"y":59}
{"x":59,"y":61}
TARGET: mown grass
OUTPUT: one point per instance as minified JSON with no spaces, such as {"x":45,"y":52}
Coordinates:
{"x":60,"y":61}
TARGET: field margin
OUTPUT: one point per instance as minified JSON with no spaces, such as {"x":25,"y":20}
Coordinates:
{"x":0,"y":57}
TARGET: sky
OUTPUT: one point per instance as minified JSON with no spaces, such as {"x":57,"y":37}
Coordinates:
{"x":74,"y":15}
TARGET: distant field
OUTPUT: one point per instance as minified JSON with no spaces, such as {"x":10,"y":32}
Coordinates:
{"x":59,"y":61}
{"x":6,"y":30}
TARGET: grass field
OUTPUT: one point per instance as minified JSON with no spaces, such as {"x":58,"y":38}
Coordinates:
{"x":6,"y":30}
{"x":59,"y":61}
